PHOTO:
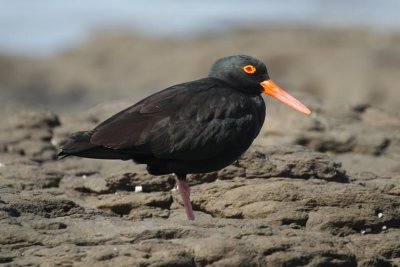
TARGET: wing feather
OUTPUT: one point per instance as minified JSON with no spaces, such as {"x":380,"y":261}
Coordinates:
{"x":173,"y":124}
{"x":132,"y":128}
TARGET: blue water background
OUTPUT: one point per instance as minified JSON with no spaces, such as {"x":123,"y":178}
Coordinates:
{"x":43,"y":27}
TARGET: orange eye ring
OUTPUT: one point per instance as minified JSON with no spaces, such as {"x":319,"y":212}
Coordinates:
{"x":249,"y":69}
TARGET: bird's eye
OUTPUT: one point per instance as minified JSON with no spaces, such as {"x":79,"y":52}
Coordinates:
{"x":249,"y":69}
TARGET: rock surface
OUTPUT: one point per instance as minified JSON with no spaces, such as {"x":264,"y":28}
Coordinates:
{"x":281,"y":205}
{"x":319,"y":191}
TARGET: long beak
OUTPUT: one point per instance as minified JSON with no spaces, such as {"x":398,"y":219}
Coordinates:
{"x":270,"y":88}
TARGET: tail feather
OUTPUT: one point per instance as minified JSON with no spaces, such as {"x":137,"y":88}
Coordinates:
{"x":79,"y":145}
{"x":77,"y":142}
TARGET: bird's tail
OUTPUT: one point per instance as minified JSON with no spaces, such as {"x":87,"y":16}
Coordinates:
{"x":79,"y":145}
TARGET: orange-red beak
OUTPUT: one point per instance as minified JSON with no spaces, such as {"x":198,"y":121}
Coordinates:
{"x":270,"y":88}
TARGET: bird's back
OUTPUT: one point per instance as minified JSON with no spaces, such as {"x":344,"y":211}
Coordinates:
{"x":199,"y":126}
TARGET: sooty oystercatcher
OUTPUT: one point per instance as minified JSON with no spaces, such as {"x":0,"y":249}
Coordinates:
{"x":194,"y":127}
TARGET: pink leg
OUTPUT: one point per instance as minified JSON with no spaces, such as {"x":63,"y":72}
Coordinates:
{"x":185,"y":193}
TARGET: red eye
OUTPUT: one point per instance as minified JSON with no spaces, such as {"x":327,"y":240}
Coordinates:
{"x":249,"y":69}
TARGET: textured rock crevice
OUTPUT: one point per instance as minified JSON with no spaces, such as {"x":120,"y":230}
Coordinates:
{"x":277,"y":205}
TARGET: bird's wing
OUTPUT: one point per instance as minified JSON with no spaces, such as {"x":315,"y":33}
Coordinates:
{"x":133,"y":127}
{"x":187,"y":121}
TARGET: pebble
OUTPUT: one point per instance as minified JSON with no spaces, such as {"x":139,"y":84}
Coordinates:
{"x":54,"y":142}
{"x":175,"y":189}
{"x":384,"y":227}
{"x":366,"y":231}
{"x":1,"y":165}
{"x":380,"y":215}
{"x":138,"y":188}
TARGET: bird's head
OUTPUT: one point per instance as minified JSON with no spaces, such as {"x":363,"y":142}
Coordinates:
{"x":250,"y":75}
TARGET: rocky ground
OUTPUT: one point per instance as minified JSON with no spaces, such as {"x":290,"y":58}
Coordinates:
{"x":312,"y":191}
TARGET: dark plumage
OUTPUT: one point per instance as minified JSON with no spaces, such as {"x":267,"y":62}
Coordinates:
{"x":194,"y":127}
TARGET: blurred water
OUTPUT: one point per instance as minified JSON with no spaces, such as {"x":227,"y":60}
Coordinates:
{"x":47,"y":26}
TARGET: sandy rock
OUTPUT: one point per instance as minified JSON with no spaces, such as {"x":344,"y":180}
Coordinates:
{"x":29,"y":134}
{"x":361,"y":137}
{"x":290,"y":161}
{"x":137,"y":205}
{"x":277,"y":205}
{"x":149,"y":183}
{"x":200,"y":178}
{"x":98,"y":183}
{"x":33,"y":120}
{"x":373,"y":252}
{"x":366,"y":130}
{"x":39,"y":204}
{"x":84,"y":184}
{"x":321,"y":206}
{"x":355,"y":137}
{"x":274,"y":161}
{"x":26,"y":175}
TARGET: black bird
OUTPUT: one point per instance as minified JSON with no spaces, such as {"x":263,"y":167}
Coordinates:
{"x":195,"y":127}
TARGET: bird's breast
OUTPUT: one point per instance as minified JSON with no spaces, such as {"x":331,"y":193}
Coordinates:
{"x":228,"y":125}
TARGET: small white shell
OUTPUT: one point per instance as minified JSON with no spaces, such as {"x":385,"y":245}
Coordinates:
{"x":54,"y":142}
{"x":138,"y":188}
{"x":175,"y":189}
